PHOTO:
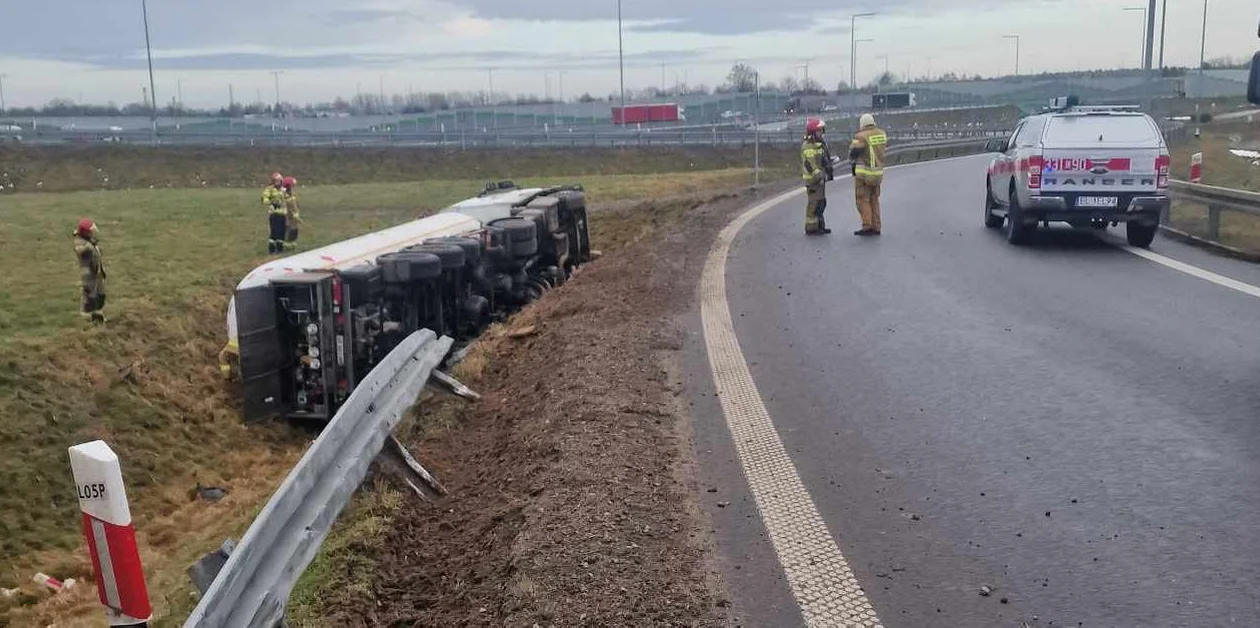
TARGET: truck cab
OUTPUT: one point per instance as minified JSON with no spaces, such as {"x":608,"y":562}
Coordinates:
{"x":1086,"y":166}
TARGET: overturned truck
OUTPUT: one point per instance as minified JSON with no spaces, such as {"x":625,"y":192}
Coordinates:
{"x":309,"y":327}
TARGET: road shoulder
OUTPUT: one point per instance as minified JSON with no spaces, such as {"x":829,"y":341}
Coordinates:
{"x":574,"y":498}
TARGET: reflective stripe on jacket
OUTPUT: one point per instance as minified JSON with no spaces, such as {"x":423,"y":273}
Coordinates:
{"x":868,"y":149}
{"x":813,"y":168}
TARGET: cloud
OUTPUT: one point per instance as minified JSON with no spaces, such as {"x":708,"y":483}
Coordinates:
{"x":88,"y":28}
{"x":192,"y":60}
{"x":709,"y":17}
{"x":741,"y":24}
{"x":468,"y":27}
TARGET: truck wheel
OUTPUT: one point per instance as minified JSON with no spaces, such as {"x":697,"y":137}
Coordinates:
{"x":451,"y":255}
{"x":1140,"y":235}
{"x":522,"y":236}
{"x":991,"y":220}
{"x":1017,"y":232}
{"x":471,"y":246}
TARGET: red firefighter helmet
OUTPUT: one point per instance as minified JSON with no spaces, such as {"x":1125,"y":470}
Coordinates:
{"x":85,"y":227}
{"x":289,"y":182}
{"x":815,"y":127}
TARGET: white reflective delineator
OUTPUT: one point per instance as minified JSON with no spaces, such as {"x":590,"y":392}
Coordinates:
{"x":110,"y":535}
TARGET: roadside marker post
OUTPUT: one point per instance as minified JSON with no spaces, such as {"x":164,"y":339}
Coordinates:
{"x":1196,"y":168}
{"x":110,"y":535}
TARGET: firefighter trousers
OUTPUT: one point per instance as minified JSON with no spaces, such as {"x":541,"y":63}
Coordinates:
{"x":866,"y":190}
{"x":92,"y":301}
{"x":815,"y":207}
{"x":279,"y":225}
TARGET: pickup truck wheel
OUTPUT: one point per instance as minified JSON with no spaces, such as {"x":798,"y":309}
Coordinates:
{"x":1017,"y":231}
{"x":991,"y":220}
{"x":1140,"y":235}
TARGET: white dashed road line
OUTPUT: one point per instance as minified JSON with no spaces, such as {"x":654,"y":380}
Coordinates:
{"x":824,"y":586}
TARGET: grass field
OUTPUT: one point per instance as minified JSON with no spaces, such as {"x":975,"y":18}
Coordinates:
{"x":72,"y":168}
{"x":148,"y":381}
{"x":1219,"y":166}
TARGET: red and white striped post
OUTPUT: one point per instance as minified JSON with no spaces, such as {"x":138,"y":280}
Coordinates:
{"x":110,"y":535}
{"x":1196,"y":168}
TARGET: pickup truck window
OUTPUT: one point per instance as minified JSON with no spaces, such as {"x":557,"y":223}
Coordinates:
{"x":1030,"y":134}
{"x":1106,"y":130}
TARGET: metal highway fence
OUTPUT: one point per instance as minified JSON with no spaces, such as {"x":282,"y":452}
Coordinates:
{"x":713,"y":136}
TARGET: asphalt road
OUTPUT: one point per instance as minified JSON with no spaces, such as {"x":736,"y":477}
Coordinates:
{"x":1067,"y":423}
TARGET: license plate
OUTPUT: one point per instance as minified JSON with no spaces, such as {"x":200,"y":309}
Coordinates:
{"x":1097,"y":201}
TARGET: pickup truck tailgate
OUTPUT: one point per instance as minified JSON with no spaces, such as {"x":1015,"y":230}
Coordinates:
{"x":1101,"y":154}
{"x":1099,"y":170}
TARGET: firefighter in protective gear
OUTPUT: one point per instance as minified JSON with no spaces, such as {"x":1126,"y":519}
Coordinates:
{"x":273,"y":202}
{"x":866,"y":151}
{"x":293,"y":214}
{"x":229,"y":356}
{"x":816,"y":171}
{"x":91,"y":271}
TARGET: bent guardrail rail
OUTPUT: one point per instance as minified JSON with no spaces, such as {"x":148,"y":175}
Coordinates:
{"x":1216,"y":200}
{"x":254,"y":585}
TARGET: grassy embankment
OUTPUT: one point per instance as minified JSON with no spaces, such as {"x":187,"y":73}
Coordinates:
{"x":148,"y":383}
{"x":1221,"y":168}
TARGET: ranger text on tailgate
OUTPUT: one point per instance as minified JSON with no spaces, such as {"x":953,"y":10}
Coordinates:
{"x":1086,"y":166}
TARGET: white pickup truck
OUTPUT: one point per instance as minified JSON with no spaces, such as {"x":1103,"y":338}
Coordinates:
{"x":1086,"y":166}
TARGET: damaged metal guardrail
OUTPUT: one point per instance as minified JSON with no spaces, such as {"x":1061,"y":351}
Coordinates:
{"x":248,"y":584}
{"x":1217,"y":200}
{"x":253,"y":587}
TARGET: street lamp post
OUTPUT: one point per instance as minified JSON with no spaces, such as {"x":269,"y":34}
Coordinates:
{"x":556,"y":115}
{"x":1163,"y":30}
{"x":494,"y":102}
{"x":276,"y":75}
{"x":148,"y":49}
{"x":853,"y":42}
{"x":1016,"y":38}
{"x":866,"y":40}
{"x":621,"y":57}
{"x":1203,"y":47}
{"x":757,"y":132}
{"x":1143,"y":10}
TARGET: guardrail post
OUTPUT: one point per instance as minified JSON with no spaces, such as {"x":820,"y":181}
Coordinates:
{"x":110,"y":535}
{"x":1214,"y":222}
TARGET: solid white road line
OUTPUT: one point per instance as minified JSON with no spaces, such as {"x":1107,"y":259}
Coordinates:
{"x":821,"y":581}
{"x":1193,"y":271}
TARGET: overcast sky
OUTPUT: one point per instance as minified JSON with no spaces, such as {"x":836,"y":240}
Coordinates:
{"x":94,"y":49}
